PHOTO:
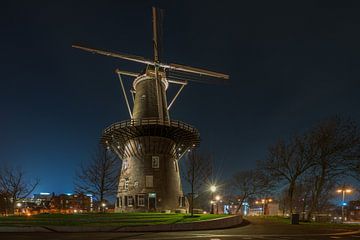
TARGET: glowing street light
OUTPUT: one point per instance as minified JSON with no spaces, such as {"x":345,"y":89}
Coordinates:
{"x":217,"y":198}
{"x":343,"y":190}
{"x":213,"y":190}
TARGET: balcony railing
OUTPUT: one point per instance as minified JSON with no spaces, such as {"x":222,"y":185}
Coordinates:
{"x":150,"y":121}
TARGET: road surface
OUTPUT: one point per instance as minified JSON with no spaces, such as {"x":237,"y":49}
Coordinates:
{"x":254,"y":229}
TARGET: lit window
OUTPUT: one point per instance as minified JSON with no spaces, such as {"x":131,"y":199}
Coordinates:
{"x":155,"y":162}
{"x":141,"y":200}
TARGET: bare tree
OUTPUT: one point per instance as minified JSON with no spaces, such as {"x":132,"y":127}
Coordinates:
{"x":247,"y":184}
{"x":322,"y":156}
{"x":286,"y":162}
{"x":100,"y":176}
{"x":196,"y":171}
{"x":337,"y":146}
{"x":15,"y":186}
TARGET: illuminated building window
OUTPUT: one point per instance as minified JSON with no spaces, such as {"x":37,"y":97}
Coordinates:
{"x":141,"y":200}
{"x":149,"y":181}
{"x":155,"y":162}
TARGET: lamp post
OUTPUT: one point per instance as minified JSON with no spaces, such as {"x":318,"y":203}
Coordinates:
{"x":343,"y":190}
{"x":217,"y":198}
{"x":103,"y":205}
{"x":18,"y":205}
{"x":213,"y":190}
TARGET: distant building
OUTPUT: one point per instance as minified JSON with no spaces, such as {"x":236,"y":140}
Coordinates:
{"x":268,"y":209}
{"x":353,"y":211}
{"x":5,"y":203}
{"x":71,"y":203}
{"x":51,"y":203}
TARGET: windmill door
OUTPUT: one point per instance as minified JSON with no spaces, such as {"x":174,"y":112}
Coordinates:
{"x":152,"y":201}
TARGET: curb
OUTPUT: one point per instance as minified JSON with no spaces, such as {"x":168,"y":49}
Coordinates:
{"x":225,"y":222}
{"x":220,"y":223}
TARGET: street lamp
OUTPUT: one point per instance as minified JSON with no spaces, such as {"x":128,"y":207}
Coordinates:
{"x":217,"y":198}
{"x":18,"y":205}
{"x":213,"y":190}
{"x":343,"y":190}
{"x":103,"y":205}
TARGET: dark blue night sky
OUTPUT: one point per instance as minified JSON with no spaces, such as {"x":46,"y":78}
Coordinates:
{"x":291,"y":65}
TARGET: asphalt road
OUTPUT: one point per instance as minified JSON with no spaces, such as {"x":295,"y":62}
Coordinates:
{"x":257,"y":229}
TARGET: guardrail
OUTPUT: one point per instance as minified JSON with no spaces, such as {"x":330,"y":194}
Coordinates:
{"x":150,"y":121}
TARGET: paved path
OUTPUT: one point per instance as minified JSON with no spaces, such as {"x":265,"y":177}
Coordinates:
{"x":258,"y":229}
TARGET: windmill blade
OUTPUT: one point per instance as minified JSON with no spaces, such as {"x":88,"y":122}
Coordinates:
{"x":183,"y":68}
{"x":129,"y":57}
{"x":192,"y":77}
{"x":171,"y":66}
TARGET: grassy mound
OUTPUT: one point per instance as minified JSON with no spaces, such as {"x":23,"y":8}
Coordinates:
{"x":104,"y":219}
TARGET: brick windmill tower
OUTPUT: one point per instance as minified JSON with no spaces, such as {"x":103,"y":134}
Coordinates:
{"x":150,"y":143}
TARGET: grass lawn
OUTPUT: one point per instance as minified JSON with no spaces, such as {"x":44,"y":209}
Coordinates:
{"x":104,"y":219}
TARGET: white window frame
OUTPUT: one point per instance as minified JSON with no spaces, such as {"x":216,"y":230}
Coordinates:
{"x":130,"y":203}
{"x":142,"y":202}
{"x":155,"y":162}
{"x":149,"y":181}
{"x":125,"y":165}
{"x":126,"y":184}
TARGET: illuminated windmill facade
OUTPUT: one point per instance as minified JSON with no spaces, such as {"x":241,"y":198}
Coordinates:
{"x":151,"y":144}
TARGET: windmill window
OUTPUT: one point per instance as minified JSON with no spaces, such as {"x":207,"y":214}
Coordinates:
{"x":130,"y":201}
{"x":141,"y":200}
{"x":149,"y":181}
{"x":155,"y":162}
{"x":125,"y":165}
{"x":126,"y":186}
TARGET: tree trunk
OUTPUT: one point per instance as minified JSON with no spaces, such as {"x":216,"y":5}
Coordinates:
{"x":291,"y":195}
{"x":192,"y":192}
{"x":318,"y":188}
{"x":240,"y":204}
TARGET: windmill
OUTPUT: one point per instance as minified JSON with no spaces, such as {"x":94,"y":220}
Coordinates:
{"x":150,"y":144}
